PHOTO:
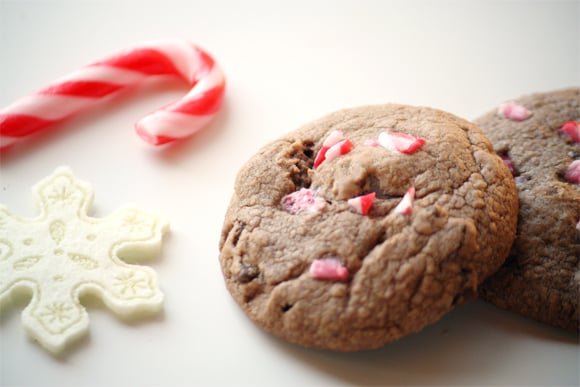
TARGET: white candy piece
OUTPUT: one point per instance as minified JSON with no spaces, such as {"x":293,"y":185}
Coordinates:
{"x":63,"y":254}
{"x":405,"y":206}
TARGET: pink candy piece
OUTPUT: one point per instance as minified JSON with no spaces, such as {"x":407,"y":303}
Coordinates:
{"x":406,"y":204}
{"x":304,"y":199}
{"x":573,"y":172}
{"x":572,"y":130}
{"x":400,"y":142}
{"x":513,"y":111}
{"x":328,"y":269}
{"x":363,"y":203}
{"x":90,"y":85}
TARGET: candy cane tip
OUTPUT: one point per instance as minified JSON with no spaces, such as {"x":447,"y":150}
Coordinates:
{"x":152,"y":139}
{"x":148,"y":138}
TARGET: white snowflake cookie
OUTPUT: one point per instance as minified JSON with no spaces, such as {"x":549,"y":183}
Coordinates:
{"x":63,"y":254}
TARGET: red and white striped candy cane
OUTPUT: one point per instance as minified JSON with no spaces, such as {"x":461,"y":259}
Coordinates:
{"x":83,"y":88}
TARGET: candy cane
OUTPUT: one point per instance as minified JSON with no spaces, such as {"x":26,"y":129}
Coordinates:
{"x":83,"y":88}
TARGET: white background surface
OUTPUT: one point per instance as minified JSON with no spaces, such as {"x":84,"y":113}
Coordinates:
{"x":286,"y":62}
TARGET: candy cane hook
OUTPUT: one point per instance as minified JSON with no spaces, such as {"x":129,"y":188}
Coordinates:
{"x":81,"y":90}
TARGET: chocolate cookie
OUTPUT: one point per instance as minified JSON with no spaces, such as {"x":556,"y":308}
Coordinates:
{"x":366,"y":225}
{"x":538,"y":136}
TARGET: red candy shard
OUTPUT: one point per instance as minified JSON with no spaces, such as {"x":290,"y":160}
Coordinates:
{"x":406,"y":204}
{"x":339,"y":149}
{"x":513,"y":111}
{"x":333,"y":138}
{"x":328,"y":269}
{"x":362,"y":203}
{"x":305,"y":199}
{"x":573,"y":172}
{"x":400,"y":142}
{"x":320,"y":156}
{"x":572,"y":130}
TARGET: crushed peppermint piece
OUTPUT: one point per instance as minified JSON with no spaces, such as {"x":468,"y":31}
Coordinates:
{"x":362,"y":203}
{"x":328,"y":269}
{"x":578,"y":225}
{"x":405,"y":205}
{"x":572,"y":130}
{"x":513,"y":111}
{"x":573,"y":172}
{"x":333,"y":138}
{"x":400,"y":142}
{"x":339,"y":149}
{"x":305,"y":199}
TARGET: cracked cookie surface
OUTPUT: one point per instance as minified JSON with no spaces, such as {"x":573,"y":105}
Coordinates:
{"x":404,"y":270}
{"x":541,"y":278}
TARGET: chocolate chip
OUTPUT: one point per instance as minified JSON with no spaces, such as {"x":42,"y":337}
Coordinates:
{"x":247,"y":273}
{"x":286,"y":307}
